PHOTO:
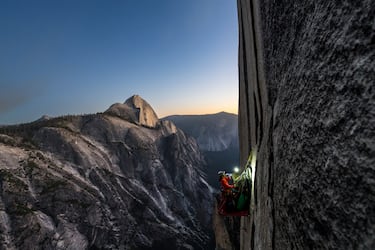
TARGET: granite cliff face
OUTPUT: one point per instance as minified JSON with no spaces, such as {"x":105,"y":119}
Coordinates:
{"x":217,"y":137}
{"x":307,"y":107}
{"x":115,"y":180}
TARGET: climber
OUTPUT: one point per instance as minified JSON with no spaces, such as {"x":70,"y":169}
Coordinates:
{"x":224,"y":181}
{"x":227,"y":200}
{"x":234,"y":199}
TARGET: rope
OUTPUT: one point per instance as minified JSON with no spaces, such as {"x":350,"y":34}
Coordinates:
{"x":247,"y":175}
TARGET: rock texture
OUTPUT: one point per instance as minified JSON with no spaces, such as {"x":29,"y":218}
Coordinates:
{"x":307,"y":105}
{"x":103,"y":182}
{"x":226,"y":231}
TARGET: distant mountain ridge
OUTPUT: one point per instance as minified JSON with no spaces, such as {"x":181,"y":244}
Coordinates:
{"x":213,"y":132}
{"x":122,"y":179}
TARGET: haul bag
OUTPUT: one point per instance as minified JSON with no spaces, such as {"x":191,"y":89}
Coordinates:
{"x":242,"y":202}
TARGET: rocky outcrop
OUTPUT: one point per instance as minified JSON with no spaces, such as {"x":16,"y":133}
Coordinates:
{"x":307,"y":107}
{"x":135,"y":110}
{"x":102,"y":182}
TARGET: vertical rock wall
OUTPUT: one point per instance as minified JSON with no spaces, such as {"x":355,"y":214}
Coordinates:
{"x":307,"y":104}
{"x":254,"y":126}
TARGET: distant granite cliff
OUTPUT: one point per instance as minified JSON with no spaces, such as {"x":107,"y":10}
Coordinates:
{"x":213,"y":132}
{"x":217,"y":138}
{"x":307,"y":106}
{"x":121,"y":179}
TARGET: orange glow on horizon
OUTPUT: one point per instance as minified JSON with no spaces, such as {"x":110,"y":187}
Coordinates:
{"x":200,"y":111}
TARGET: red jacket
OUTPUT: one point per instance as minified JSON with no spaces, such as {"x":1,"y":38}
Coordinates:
{"x":225,"y":183}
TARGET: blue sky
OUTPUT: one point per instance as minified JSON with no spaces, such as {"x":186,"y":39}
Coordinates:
{"x":75,"y":57}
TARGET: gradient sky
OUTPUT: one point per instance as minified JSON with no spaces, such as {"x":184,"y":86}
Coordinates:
{"x":76,"y":57}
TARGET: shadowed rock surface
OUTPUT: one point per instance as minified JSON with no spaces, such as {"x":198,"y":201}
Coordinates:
{"x":226,"y":230}
{"x":217,"y":137}
{"x":307,"y":104}
{"x":103,"y":181}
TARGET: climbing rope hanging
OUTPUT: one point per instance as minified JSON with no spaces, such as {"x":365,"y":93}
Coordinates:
{"x":247,"y":175}
{"x":253,"y":161}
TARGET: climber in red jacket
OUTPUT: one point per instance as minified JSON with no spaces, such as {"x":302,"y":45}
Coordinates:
{"x":224,"y":181}
{"x":227,"y":203}
{"x":229,"y":198}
